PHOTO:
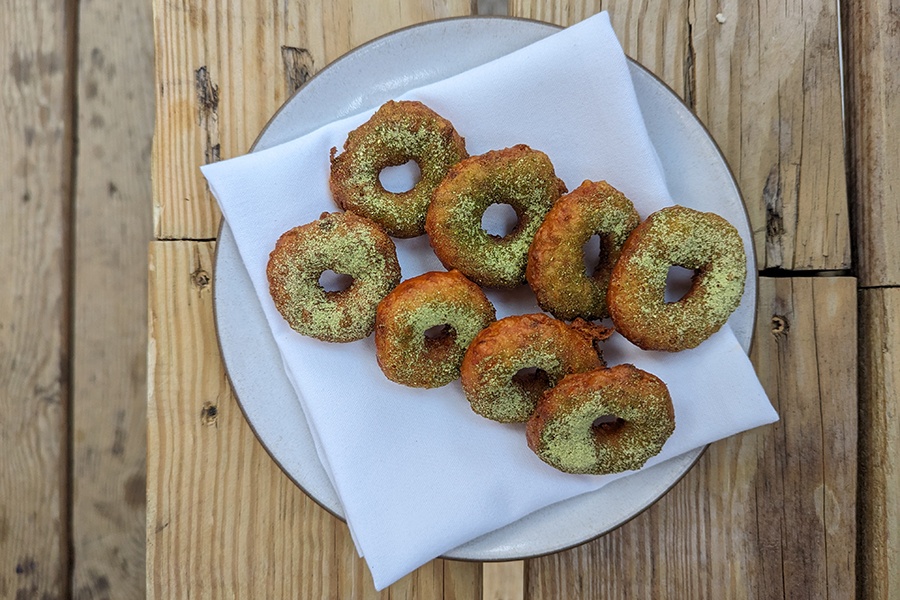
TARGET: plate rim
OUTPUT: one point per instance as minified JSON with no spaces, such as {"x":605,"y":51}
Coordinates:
{"x":752,"y":256}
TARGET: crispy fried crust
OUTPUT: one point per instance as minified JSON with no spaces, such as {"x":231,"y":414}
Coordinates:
{"x":490,"y":369}
{"x":344,"y":243}
{"x":404,"y":352}
{"x":564,"y":433}
{"x":555,"y":269}
{"x":518,"y":176}
{"x":704,"y":242}
{"x":397,"y":133}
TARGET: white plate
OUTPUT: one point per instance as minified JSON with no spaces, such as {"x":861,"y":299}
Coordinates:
{"x":697,"y":176}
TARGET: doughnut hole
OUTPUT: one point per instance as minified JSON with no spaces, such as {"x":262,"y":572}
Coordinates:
{"x":440,"y":343}
{"x":591,"y":251}
{"x":532,"y":380}
{"x":606,"y":425}
{"x":439,"y":332}
{"x":679,"y":282}
{"x":500,"y":220}
{"x":333,"y":282}
{"x":440,"y":337}
{"x":398,"y":179}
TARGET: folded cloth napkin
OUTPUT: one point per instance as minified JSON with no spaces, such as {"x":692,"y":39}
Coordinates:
{"x":418,"y":472}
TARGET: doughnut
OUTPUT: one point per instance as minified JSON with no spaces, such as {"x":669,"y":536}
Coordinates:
{"x":344,"y":243}
{"x":492,"y":377}
{"x":603,"y":421}
{"x":397,"y":133}
{"x":703,"y":242}
{"x":518,"y":176}
{"x":555,"y":268}
{"x":406,"y":352}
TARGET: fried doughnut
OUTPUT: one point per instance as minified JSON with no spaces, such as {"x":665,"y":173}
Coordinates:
{"x":704,"y":242}
{"x":397,"y":133}
{"x":406,"y":353}
{"x":492,"y":368}
{"x":344,"y":243}
{"x":518,"y":176}
{"x":555,"y":269}
{"x":603,"y":421}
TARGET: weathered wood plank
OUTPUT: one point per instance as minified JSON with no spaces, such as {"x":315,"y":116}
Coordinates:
{"x":426,"y":582}
{"x":504,"y":580}
{"x":222,"y":519}
{"x":767,"y":84}
{"x":655,"y":34}
{"x":879,"y":462}
{"x":463,"y":580}
{"x":559,"y":12}
{"x":113,"y":225}
{"x":35,"y":179}
{"x":769,"y":513}
{"x":872,"y":55}
{"x":216,"y":65}
{"x":808,"y":361}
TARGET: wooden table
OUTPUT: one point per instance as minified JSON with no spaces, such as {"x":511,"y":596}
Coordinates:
{"x":771,"y":513}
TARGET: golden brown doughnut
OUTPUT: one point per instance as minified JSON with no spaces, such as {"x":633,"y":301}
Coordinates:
{"x":603,"y":421}
{"x":704,"y":242}
{"x":555,"y":269}
{"x":344,"y":243}
{"x":518,"y":176}
{"x":397,"y":133}
{"x":492,"y":368}
{"x":406,"y":354}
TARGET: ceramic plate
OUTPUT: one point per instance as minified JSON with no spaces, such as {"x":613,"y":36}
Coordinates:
{"x":697,"y":176}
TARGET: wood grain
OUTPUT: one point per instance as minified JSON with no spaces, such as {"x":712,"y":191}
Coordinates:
{"x":113,"y":224}
{"x":765,"y":79}
{"x":767,"y":84}
{"x":769,"y":513}
{"x":465,"y":580}
{"x":222,"y":519}
{"x":504,"y":580}
{"x":872,"y":51}
{"x":559,"y":12}
{"x":35,"y":179}
{"x":879,"y":463}
{"x":216,"y":64}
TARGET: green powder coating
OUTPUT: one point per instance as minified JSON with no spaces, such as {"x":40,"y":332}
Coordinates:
{"x":703,"y":242}
{"x":518,"y":176}
{"x":397,"y":133}
{"x":570,"y":443}
{"x":516,"y":343}
{"x":501,"y":398}
{"x":465,"y":324}
{"x":427,"y":301}
{"x":555,"y":263}
{"x":343,"y":243}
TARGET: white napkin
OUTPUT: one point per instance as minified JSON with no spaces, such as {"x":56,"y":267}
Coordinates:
{"x":418,"y":472}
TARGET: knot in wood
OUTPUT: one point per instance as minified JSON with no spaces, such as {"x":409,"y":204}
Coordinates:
{"x":209,"y":414}
{"x":780,"y":325}
{"x":200,"y":278}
